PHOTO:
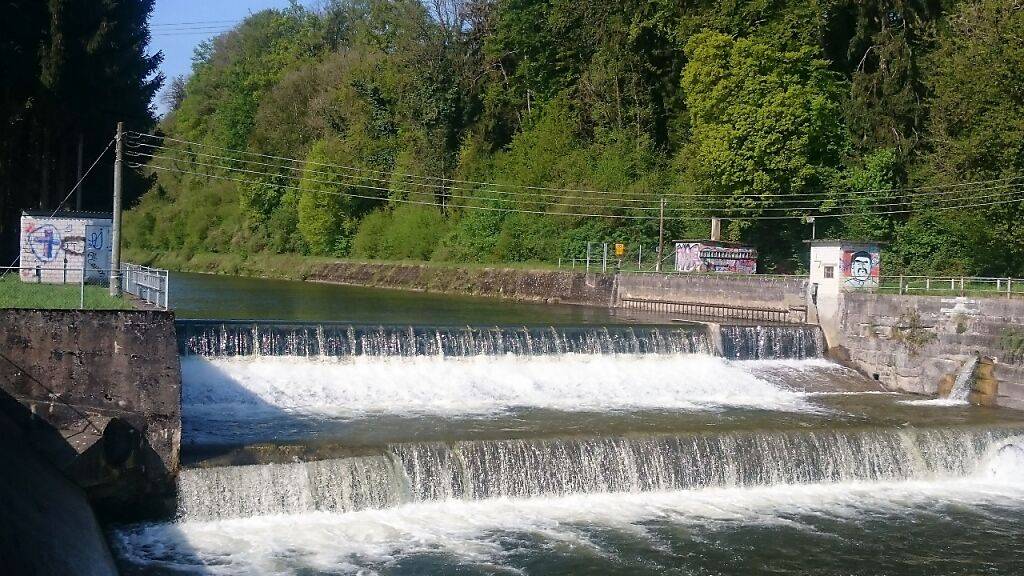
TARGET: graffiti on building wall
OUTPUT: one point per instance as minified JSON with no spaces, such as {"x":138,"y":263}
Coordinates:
{"x":699,"y":257}
{"x":58,"y":250}
{"x":688,"y":257}
{"x":861,"y":267}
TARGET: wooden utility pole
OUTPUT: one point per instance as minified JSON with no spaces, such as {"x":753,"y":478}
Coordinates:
{"x":115,"y":228}
{"x":661,"y":235}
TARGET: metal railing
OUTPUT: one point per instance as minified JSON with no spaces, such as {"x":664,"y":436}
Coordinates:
{"x":151,"y":285}
{"x":958,"y":285}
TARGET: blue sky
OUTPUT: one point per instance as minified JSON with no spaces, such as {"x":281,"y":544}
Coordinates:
{"x":178,"y":26}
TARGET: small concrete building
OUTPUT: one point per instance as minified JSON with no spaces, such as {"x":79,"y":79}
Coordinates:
{"x":715,"y":256}
{"x":840,"y":266}
{"x":56,"y":248}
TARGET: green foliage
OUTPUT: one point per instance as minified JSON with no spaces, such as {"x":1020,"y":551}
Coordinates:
{"x":410,"y":232}
{"x":765,"y":122}
{"x":324,"y":215}
{"x":576,"y":111}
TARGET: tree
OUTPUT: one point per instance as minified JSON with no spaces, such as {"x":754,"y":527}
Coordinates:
{"x":765,"y":122}
{"x":976,"y":131}
{"x":175,"y":93}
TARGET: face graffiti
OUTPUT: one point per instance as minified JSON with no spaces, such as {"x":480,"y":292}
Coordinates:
{"x":860,"y":268}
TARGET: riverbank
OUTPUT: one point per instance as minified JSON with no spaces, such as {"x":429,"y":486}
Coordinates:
{"x":529,"y":282}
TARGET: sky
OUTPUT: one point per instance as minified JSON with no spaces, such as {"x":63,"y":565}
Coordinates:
{"x":178,"y":26}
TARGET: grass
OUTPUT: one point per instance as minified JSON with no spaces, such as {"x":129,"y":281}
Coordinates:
{"x":17,"y":294}
{"x":294,"y":266}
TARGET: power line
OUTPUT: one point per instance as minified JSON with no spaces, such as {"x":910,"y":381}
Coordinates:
{"x":195,"y":33}
{"x":707,"y":204}
{"x":547,"y":188}
{"x":303,"y":173}
{"x":193,"y":23}
{"x":611,"y":216}
{"x":73,"y":189}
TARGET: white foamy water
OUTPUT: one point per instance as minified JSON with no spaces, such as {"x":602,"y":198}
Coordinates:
{"x":939,"y":402}
{"x":473,"y":531}
{"x":442,"y":386}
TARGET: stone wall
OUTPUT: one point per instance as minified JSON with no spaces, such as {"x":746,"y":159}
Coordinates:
{"x":552,"y":286}
{"x":912,"y":343}
{"x":98,"y":394}
{"x":726,"y":292}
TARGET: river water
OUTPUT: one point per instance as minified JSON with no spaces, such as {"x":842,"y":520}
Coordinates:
{"x":506,"y":439}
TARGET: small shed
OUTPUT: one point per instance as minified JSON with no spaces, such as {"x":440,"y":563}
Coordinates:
{"x":715,"y":256}
{"x":58,"y":247}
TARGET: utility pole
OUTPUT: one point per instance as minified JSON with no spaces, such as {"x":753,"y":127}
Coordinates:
{"x":661,"y":235}
{"x":115,"y":229}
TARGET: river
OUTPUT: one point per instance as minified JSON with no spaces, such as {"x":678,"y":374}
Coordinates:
{"x":379,"y":432}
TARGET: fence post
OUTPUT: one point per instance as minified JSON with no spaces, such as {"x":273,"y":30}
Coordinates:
{"x":588,"y":257}
{"x":901,"y":285}
{"x":167,"y":289}
{"x":1008,"y":281}
{"x":640,"y":258}
{"x":604,"y":259}
{"x":81,"y":287}
{"x":961,"y":286}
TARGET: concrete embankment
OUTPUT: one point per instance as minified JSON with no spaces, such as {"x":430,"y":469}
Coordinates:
{"x":914,"y":343}
{"x":46,"y":525}
{"x":97,"y":394}
{"x":553,"y":286}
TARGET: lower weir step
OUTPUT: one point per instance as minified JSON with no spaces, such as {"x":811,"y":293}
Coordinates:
{"x":418,"y":472}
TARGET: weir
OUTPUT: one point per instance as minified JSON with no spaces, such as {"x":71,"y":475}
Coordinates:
{"x":337,"y":447}
{"x":215,"y":339}
{"x":422,"y":472}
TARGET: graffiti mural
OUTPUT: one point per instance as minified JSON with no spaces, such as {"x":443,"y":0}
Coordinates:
{"x":688,"y":257}
{"x":56,"y":249}
{"x":701,"y":257}
{"x":860,"y":267}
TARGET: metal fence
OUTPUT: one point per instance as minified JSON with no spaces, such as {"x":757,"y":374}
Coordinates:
{"x":955,"y":285}
{"x":151,"y":285}
{"x":67,"y":287}
{"x":601,"y":257}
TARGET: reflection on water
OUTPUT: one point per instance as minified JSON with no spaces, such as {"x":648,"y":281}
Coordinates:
{"x":204,"y":296}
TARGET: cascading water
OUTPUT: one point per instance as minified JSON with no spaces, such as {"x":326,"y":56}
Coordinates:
{"x":964,"y":380}
{"x":563,"y":450}
{"x":342,"y":340}
{"x":423,"y":472}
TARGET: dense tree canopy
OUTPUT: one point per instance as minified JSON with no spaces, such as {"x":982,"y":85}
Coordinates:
{"x":70,"y":71}
{"x":510,"y":130}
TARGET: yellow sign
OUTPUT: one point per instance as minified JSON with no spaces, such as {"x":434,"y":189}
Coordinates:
{"x":620,"y":249}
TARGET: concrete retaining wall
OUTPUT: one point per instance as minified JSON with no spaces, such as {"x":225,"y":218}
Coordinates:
{"x":729,"y":293}
{"x":98,"y":394}
{"x":911,"y":343}
{"x":552,"y":286}
{"x":46,"y":524}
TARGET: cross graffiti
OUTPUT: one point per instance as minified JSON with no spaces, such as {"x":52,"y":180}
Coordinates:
{"x":45,"y":242}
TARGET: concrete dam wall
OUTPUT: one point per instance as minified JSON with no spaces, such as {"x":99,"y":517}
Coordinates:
{"x":97,"y":395}
{"x":751,"y":297}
